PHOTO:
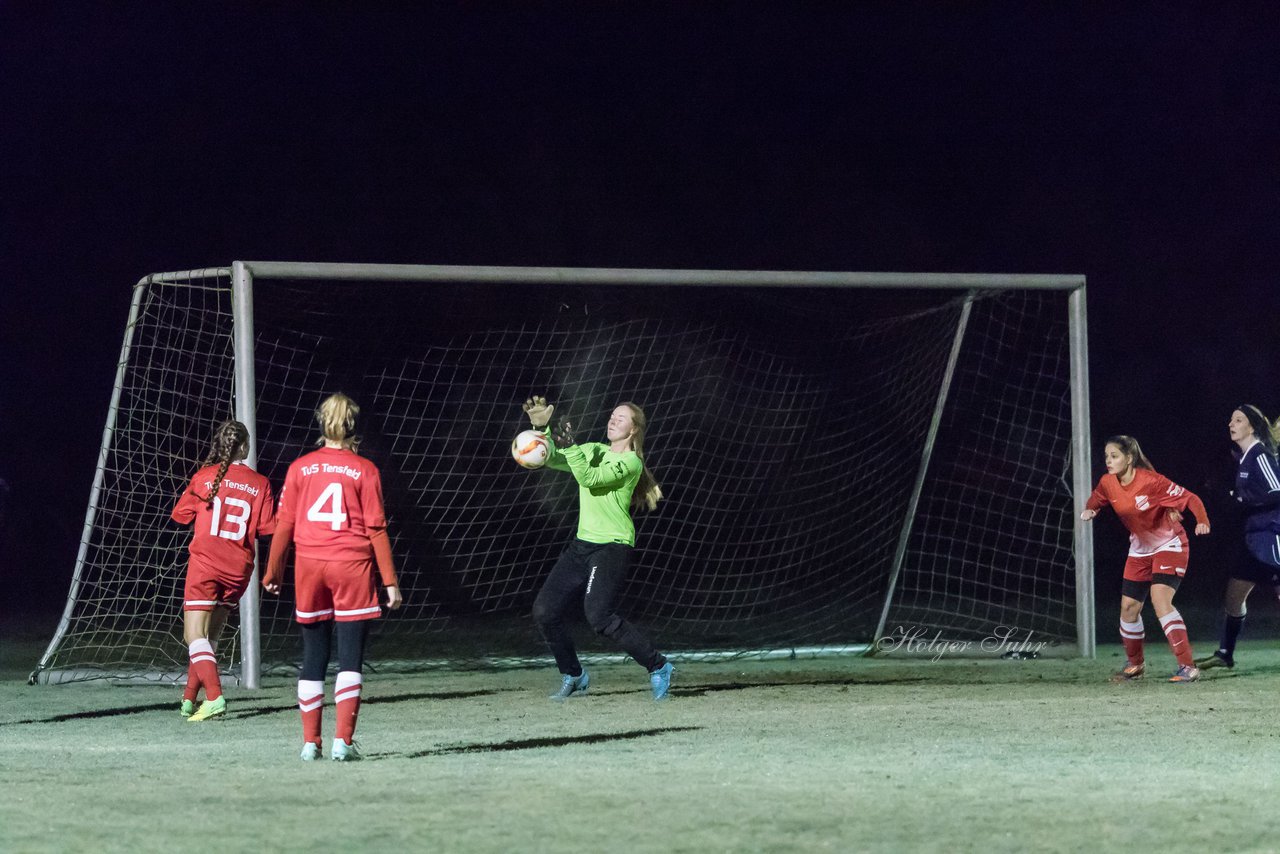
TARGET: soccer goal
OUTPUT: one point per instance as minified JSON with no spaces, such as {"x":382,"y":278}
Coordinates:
{"x":851,"y":460}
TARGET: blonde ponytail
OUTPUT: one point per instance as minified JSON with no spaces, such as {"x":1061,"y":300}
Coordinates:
{"x":337,"y":420}
{"x":647,"y":493}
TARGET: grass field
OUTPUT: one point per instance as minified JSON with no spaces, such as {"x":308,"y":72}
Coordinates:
{"x":818,"y":755}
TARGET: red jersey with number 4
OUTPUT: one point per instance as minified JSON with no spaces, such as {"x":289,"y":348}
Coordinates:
{"x":1143,"y":507}
{"x":333,"y":497}
{"x":225,"y":529}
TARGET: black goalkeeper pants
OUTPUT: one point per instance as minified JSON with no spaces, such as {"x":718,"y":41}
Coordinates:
{"x":593,"y":574}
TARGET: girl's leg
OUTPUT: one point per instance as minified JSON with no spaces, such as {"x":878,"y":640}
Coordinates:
{"x":1175,"y":630}
{"x":202,"y":666}
{"x":606,"y":578}
{"x":1132,"y":632}
{"x":1234,"y":610}
{"x":558,"y":593}
{"x":316,"y":641}
{"x":351,"y":638}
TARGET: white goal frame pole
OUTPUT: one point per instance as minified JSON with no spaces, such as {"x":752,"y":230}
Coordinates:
{"x":246,"y":402}
{"x":244,"y":272}
{"x":1081,"y":479}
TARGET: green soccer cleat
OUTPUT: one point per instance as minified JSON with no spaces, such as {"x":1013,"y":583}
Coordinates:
{"x":187,"y":707}
{"x":209,"y":709}
{"x":310,"y":752}
{"x":343,"y":752}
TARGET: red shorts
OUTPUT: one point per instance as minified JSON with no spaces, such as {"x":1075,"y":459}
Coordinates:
{"x":1161,"y":563}
{"x":208,"y":586}
{"x":341,"y":590}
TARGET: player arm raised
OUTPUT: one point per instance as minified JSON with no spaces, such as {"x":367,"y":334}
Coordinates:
{"x":540,"y":412}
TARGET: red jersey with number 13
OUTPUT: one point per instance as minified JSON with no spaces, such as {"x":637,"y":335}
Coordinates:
{"x":242,"y":510}
{"x":1143,"y":508}
{"x":333,"y":497}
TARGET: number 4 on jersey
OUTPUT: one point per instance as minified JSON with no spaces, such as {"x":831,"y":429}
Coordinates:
{"x":334,"y":515}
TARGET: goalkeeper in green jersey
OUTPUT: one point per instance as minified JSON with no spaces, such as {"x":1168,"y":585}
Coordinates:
{"x":612,"y":482}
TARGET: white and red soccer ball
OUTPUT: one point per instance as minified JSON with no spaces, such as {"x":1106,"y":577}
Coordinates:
{"x":531,"y":449}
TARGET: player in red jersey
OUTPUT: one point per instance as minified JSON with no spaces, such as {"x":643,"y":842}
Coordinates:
{"x":230,"y":504}
{"x":331,"y":509}
{"x":1150,"y":506}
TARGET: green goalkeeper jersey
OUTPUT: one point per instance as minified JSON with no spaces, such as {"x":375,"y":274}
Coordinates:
{"x":606,"y":481}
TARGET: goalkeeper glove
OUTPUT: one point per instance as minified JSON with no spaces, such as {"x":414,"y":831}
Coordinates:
{"x":564,"y":435}
{"x":539,"y":411}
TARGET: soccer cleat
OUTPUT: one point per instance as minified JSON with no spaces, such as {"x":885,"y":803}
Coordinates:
{"x":1131,"y":673}
{"x":310,"y":752}
{"x":1185,"y":673}
{"x":343,"y":752}
{"x":660,"y":680}
{"x":209,"y":709}
{"x":186,"y":708}
{"x":1218,"y":659}
{"x":572,"y":685}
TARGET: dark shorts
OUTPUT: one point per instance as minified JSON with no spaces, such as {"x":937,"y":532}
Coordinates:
{"x":1259,"y":560}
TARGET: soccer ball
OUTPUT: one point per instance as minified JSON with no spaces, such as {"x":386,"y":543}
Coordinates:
{"x":530,"y":449}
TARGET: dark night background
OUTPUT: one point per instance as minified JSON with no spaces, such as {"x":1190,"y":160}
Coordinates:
{"x":1136,"y":143}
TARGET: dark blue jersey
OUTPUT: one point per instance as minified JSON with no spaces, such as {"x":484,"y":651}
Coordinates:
{"x":1258,"y":489}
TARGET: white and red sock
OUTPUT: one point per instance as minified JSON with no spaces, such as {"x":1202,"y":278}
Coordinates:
{"x":1175,"y":631}
{"x":205,"y":664}
{"x":311,"y":706}
{"x":346,"y":696}
{"x":1131,"y":635}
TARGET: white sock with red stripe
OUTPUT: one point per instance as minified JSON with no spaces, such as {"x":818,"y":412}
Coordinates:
{"x":205,"y":664}
{"x":1131,"y":635}
{"x":311,"y":706}
{"x":1175,"y":631}
{"x":346,"y":696}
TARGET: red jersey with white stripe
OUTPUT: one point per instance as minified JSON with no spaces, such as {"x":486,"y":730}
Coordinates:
{"x":225,"y":529}
{"x":333,"y":497}
{"x":1143,"y":506}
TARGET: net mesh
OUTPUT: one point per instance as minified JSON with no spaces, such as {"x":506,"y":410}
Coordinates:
{"x":785,"y":425}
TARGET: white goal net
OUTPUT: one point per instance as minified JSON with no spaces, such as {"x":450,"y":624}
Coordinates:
{"x":845,"y":459}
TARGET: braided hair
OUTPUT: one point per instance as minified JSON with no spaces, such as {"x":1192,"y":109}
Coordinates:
{"x":230,"y":443}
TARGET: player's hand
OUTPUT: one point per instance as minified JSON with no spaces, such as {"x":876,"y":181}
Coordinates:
{"x":393,"y":597}
{"x":270,"y":583}
{"x":1088,"y":514}
{"x":564,"y":435}
{"x":539,"y":411}
{"x":1202,"y":529}
{"x":1174,"y":515}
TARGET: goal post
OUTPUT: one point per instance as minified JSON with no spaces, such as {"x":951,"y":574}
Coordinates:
{"x":845,"y":453}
